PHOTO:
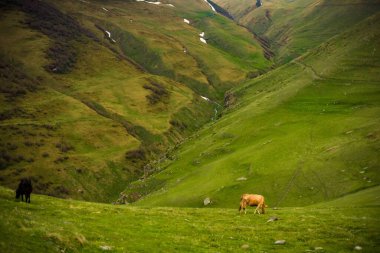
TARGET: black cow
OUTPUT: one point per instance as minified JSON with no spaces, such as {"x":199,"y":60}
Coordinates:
{"x":24,"y":188}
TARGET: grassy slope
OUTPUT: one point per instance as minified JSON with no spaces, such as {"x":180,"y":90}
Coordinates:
{"x":102,"y":85}
{"x":231,"y":50}
{"x":304,"y":133}
{"x":49,"y":224}
{"x":293,"y":27}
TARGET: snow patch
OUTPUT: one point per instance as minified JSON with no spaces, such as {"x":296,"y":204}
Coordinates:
{"x":109,"y":36}
{"x":207,"y":99}
{"x":202,"y":34}
{"x":212,"y":7}
{"x":186,"y":21}
{"x":105,"y":9}
{"x":203,"y":40}
{"x":156,"y":3}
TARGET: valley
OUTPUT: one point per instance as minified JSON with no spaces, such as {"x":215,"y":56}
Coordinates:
{"x":141,"y":124}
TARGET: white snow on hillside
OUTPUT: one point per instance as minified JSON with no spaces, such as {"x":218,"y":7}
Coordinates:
{"x":203,"y":40}
{"x":212,"y":7}
{"x":156,"y":3}
{"x":207,"y":99}
{"x":109,"y":36}
{"x":105,"y":9}
{"x":186,"y":21}
{"x":202,"y":34}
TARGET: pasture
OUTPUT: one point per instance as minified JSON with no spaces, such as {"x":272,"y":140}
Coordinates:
{"x":55,"y":225}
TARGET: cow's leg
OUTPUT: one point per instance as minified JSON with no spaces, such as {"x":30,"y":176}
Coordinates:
{"x":22,"y":197}
{"x":259,"y":207}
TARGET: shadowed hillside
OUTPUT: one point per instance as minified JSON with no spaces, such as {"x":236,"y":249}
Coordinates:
{"x":91,"y":91}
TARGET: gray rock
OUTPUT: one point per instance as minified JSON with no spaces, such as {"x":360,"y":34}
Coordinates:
{"x":280,"y":242}
{"x":271,"y":219}
{"x":207,"y":201}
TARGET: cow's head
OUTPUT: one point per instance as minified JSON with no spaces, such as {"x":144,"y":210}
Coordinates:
{"x":243,"y":204}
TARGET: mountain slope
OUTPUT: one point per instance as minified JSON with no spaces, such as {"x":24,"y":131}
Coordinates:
{"x":91,"y":91}
{"x":293,"y":27}
{"x":304,"y":133}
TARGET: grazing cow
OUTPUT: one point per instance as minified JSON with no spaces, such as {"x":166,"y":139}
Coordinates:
{"x":24,"y":188}
{"x":252,"y":200}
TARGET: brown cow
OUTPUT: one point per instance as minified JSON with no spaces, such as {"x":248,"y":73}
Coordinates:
{"x":252,"y":200}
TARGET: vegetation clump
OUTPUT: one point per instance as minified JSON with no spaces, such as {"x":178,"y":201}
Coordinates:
{"x":159,"y":92}
{"x":65,"y":31}
{"x":14,"y":83}
{"x":135,"y":155}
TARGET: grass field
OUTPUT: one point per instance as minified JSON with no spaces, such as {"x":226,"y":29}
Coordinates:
{"x":49,"y":225}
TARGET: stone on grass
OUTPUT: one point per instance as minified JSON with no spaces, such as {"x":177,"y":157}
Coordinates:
{"x":207,"y":201}
{"x":358,"y":248}
{"x":245,"y":246}
{"x":105,"y":247}
{"x":271,"y":219}
{"x":280,"y":242}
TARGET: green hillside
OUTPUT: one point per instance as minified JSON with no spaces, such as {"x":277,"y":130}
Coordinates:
{"x":291,"y":28}
{"x":171,"y":111}
{"x":50,"y":224}
{"x":83,"y":112}
{"x":304,"y":133}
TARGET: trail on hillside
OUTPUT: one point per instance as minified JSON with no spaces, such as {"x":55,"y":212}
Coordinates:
{"x":310,"y":69}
